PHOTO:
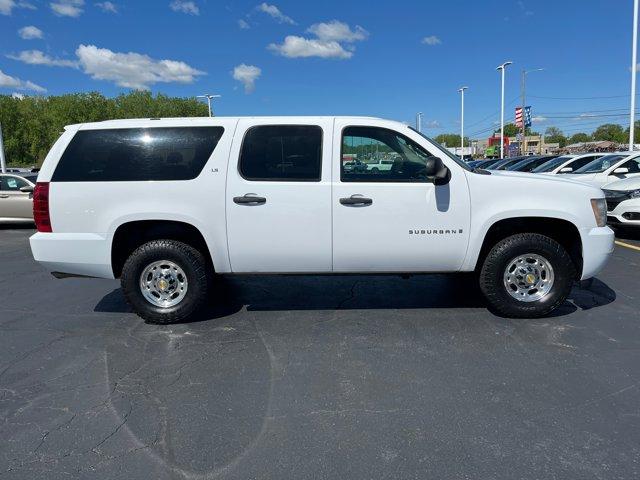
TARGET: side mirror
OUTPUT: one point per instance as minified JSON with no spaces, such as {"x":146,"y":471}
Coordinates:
{"x":435,"y":170}
{"x":26,"y":189}
{"x":566,"y":170}
{"x":621,"y":171}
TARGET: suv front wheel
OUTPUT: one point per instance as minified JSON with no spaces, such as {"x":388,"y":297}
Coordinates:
{"x":165,"y":281}
{"x":527,"y":275}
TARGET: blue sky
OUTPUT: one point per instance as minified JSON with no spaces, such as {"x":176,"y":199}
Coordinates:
{"x":388,"y":59}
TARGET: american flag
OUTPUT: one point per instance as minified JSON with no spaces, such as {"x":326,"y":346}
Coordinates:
{"x":519,"y":117}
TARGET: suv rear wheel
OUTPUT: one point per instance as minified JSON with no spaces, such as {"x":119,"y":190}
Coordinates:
{"x":527,"y":275}
{"x":165,"y":281}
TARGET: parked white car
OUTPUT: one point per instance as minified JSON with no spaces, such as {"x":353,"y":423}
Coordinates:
{"x":381,"y":165}
{"x":165,"y":204}
{"x":623,"y":202}
{"x":609,"y":168}
{"x":566,"y":163}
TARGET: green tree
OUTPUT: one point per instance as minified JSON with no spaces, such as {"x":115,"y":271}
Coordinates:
{"x":451,"y":140}
{"x":636,"y":133}
{"x":579,"y":138}
{"x":555,"y":135}
{"x":510,"y":130}
{"x":610,"y":132}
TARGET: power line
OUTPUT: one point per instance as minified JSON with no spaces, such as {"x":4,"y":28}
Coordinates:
{"x":581,"y":98}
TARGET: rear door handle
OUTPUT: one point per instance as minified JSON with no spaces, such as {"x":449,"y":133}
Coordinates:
{"x":250,"y":199}
{"x":355,"y":200}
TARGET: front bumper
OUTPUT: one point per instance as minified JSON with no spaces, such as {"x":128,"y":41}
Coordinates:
{"x":626,"y":212}
{"x":597,"y":246}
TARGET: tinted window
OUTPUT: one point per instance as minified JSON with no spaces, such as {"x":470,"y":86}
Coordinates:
{"x":12,"y":183}
{"x":581,"y":162}
{"x":137,"y":154}
{"x":364,"y":149}
{"x":632,"y":165}
{"x":282,"y":152}
{"x":550,"y":165}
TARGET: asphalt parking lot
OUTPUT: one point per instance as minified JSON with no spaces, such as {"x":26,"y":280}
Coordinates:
{"x":329,"y":377}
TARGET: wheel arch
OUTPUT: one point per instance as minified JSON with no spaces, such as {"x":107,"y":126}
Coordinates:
{"x":561,"y":230}
{"x":130,"y":235}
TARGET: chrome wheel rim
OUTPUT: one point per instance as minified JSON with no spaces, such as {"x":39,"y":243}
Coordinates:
{"x":529,"y":277}
{"x":163,"y":284}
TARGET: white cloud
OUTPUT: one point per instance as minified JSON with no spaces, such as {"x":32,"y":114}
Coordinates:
{"x":7,"y":81}
{"x":328,"y":43}
{"x":243,"y":24}
{"x":108,"y":7}
{"x":133,"y":70}
{"x":30,"y":33}
{"x":67,"y":8}
{"x":247,"y":75}
{"x":431,"y":40}
{"x":432,"y":124}
{"x":6,"y":6}
{"x":300,"y":47}
{"x":539,"y":119}
{"x":19,"y":96}
{"x":274,"y":12}
{"x":185,"y":7}
{"x":36,"y":57}
{"x":336,"y":31}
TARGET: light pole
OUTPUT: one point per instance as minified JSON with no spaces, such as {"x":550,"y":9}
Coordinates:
{"x":3,"y":163}
{"x":419,"y":122}
{"x":209,"y":98}
{"x":461,"y":90}
{"x":524,"y":103}
{"x":634,"y":59}
{"x":502,"y":69}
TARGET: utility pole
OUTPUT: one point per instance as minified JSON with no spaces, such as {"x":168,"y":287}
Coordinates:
{"x":209,"y":97}
{"x":461,"y":90}
{"x":524,"y":103}
{"x":3,"y":162}
{"x":419,"y":122}
{"x":502,"y":69}
{"x":634,"y":60}
{"x":523,"y":142}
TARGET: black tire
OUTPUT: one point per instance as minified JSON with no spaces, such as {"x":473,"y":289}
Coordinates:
{"x":492,"y":281}
{"x":190,"y":260}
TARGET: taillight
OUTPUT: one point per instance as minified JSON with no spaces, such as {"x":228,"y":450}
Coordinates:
{"x":41,"y":207}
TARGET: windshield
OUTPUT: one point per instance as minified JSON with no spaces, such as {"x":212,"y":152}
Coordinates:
{"x":551,"y":164}
{"x":600,"y":164}
{"x":514,"y":167}
{"x":453,"y":157}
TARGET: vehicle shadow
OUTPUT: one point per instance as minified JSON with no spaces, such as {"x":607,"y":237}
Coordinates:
{"x":628,"y":233}
{"x":17,"y":226}
{"x":352,"y":292}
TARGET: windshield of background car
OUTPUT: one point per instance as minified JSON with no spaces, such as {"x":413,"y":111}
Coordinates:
{"x":600,"y":164}
{"x":514,"y":167}
{"x":550,"y":165}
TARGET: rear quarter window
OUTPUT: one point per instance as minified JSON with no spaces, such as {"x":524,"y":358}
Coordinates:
{"x":137,"y":154}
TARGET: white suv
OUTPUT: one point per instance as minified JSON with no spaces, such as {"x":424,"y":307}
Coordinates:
{"x":163,"y":204}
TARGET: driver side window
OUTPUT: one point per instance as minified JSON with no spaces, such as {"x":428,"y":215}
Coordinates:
{"x":373,"y":154}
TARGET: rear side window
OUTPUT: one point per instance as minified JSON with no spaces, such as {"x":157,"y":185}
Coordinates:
{"x":137,"y":154}
{"x":282,"y":152}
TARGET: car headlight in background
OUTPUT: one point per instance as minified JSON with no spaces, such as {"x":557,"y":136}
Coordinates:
{"x":599,"y":206}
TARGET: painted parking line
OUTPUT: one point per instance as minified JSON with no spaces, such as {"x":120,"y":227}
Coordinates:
{"x":628,"y":245}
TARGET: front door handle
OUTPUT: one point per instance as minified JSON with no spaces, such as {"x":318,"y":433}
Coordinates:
{"x":4,"y":196}
{"x":355,"y":200}
{"x":250,"y":199}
